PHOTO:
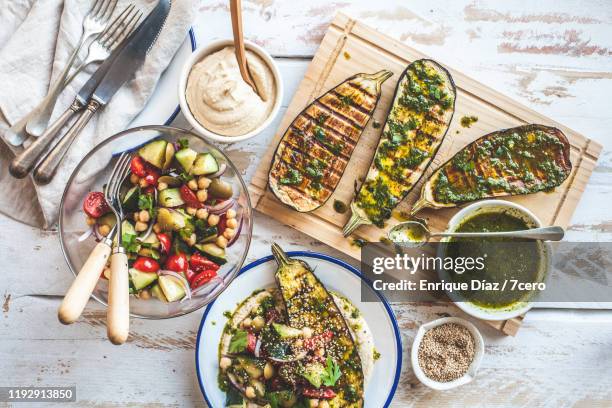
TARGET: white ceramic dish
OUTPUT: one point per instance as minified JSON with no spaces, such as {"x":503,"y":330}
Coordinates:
{"x":207,"y":50}
{"x":532,"y":221}
{"x":335,"y":275}
{"x":471,"y":372}
{"x":163,"y":105}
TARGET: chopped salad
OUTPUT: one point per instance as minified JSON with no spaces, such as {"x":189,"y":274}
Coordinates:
{"x":180,"y":218}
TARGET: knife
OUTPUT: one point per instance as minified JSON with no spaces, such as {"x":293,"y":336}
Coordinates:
{"x":96,"y":93}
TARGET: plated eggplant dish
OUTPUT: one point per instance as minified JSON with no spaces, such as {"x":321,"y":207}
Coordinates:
{"x":181,"y":219}
{"x":315,"y":149}
{"x":295,"y":345}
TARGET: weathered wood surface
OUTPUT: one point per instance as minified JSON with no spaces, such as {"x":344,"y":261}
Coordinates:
{"x":554,"y":56}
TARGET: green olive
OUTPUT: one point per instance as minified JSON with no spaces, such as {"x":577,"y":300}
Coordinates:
{"x":220,"y":189}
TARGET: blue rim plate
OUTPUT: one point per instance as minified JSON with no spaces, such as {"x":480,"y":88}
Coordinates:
{"x":229,"y":304}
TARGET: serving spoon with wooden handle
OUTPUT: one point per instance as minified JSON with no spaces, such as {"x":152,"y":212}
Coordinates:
{"x":236,"y":13}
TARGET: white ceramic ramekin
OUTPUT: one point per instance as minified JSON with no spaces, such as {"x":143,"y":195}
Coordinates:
{"x":207,"y":50}
{"x":470,"y":373}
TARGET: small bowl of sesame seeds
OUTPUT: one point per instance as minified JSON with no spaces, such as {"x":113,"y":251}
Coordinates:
{"x":446,"y":353}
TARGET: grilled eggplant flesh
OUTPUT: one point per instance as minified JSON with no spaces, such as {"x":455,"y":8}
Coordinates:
{"x":315,"y":149}
{"x":521,"y":160}
{"x":309,"y":304}
{"x":416,"y":125}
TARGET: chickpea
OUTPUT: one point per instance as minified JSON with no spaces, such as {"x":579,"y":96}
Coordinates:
{"x":313,"y":403}
{"x":225,"y":363}
{"x":203,"y":183}
{"x":231,"y":213}
{"x":232,"y":223}
{"x":136,"y":216}
{"x":249,"y":392}
{"x":162,"y":186}
{"x":144,"y":216}
{"x":202,"y":195}
{"x":299,"y":343}
{"x":307,"y":332}
{"x":213,"y":219}
{"x":104,"y":229}
{"x":143,"y":183}
{"x":192,"y":240}
{"x":90,"y":221}
{"x":229,"y":233}
{"x":144,"y":294}
{"x":141,"y":226}
{"x":246,"y":323}
{"x":323,"y":404}
{"x":192,"y":184}
{"x":202,"y":213}
{"x":221,"y":241}
{"x":191,"y":210}
{"x":268,"y":371}
{"x":258,"y":323}
{"x":156,"y":228}
{"x":134,"y":179}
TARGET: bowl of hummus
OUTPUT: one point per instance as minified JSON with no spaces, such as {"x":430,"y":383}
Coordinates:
{"x":218,"y":103}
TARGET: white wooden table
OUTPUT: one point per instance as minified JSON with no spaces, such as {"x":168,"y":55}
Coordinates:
{"x":553,"y":55}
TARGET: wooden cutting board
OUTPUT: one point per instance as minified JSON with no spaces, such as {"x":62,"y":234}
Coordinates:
{"x":350,"y":47}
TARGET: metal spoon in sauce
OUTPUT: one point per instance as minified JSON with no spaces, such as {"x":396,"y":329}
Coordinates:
{"x":415,"y":234}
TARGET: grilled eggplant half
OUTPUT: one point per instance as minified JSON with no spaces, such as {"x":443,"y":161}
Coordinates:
{"x":309,"y":304}
{"x":520,"y":160}
{"x":315,"y":149}
{"x":417,"y":122}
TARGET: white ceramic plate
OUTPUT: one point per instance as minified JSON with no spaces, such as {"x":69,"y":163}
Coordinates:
{"x":335,"y":275}
{"x":163,"y":105}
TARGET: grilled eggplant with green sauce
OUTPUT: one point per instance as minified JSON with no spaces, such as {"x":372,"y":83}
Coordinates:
{"x":309,"y":304}
{"x":315,"y":149}
{"x":417,"y":122}
{"x":520,"y":160}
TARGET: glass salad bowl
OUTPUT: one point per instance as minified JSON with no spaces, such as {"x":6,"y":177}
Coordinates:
{"x":78,"y":239}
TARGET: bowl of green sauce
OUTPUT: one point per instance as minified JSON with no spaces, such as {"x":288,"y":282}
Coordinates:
{"x":512,"y":271}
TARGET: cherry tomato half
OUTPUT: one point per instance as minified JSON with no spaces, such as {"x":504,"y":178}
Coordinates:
{"x":189,"y":197}
{"x":95,"y":204}
{"x":190,"y":274}
{"x":199,"y":263}
{"x":151,"y":176}
{"x":319,"y":393}
{"x":165,"y":242}
{"x":145,"y":264}
{"x":177,"y":263}
{"x":251,"y":342}
{"x":137,"y":166}
{"x":202,"y":278}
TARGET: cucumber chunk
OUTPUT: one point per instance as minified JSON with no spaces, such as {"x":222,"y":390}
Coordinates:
{"x":154,"y":153}
{"x":205,"y":163}
{"x":212,"y":252}
{"x":186,"y":157}
{"x":141,"y":279}
{"x":172,"y":288}
{"x":157,"y":293}
{"x":130,"y":199}
{"x":170,"y":197}
{"x":170,"y":220}
{"x":170,"y":150}
{"x":286,"y":332}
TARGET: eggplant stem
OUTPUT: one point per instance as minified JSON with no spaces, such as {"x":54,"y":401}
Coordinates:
{"x":279,"y":255}
{"x":355,"y":222}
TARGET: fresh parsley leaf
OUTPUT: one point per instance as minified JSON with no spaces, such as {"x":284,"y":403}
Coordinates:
{"x":129,"y":242}
{"x":291,"y":177}
{"x":145,"y":202}
{"x":332,"y":373}
{"x":238,"y":343}
{"x":183,"y":143}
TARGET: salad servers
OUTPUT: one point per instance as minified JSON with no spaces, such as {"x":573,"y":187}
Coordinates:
{"x":35,"y":122}
{"x":118,"y":314}
{"x":415,"y":234}
{"x":79,"y":292}
{"x":120,"y":29}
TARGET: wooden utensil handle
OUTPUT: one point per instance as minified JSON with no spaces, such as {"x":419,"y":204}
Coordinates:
{"x":26,"y":160}
{"x":118,"y":315}
{"x":77,"y":296}
{"x":236,"y":13}
{"x":47,"y":168}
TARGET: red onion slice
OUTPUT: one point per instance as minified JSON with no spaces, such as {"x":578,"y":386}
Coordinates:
{"x":220,"y":208}
{"x":236,"y":234}
{"x":257,"y":348}
{"x":181,"y":279}
{"x":86,"y":234}
{"x":219,"y":173}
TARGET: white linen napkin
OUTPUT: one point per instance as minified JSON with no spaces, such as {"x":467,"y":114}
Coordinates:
{"x":36,"y":39}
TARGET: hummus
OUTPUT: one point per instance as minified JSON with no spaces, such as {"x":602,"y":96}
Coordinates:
{"x":221,"y":101}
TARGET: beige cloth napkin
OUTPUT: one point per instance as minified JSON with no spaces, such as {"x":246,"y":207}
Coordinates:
{"x":36,"y":38}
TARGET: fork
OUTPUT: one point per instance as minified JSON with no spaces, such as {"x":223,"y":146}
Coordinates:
{"x":25,"y":161}
{"x":35,"y":122}
{"x":118,"y":314}
{"x":101,"y":48}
